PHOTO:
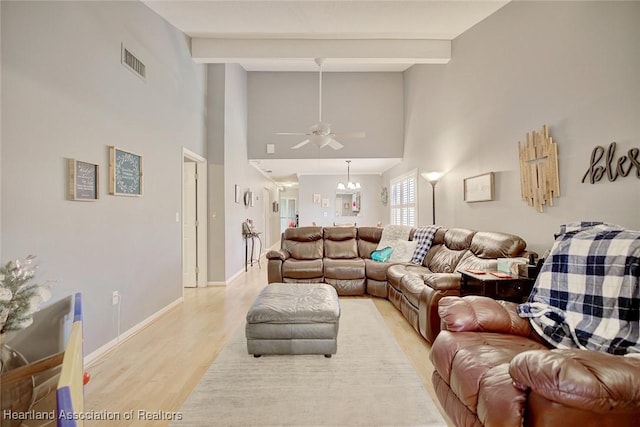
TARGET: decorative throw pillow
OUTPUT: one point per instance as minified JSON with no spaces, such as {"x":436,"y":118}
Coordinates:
{"x":382,"y":255}
{"x":403,"y":250}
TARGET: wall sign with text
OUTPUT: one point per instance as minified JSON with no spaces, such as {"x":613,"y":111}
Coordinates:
{"x":125,"y":173}
{"x":604,"y":162}
{"x":83,"y":180}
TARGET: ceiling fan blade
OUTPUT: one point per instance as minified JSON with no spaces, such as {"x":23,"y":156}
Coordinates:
{"x":333,"y":144}
{"x":356,"y":134}
{"x":306,"y":141}
{"x":292,"y":133}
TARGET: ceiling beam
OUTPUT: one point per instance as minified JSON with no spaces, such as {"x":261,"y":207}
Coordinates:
{"x":336,"y":51}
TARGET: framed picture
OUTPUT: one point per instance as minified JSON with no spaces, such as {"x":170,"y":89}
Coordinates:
{"x":236,"y":194}
{"x":316,"y":199}
{"x":479,"y":188}
{"x":83,"y":180}
{"x":325,"y":203}
{"x":125,"y":173}
{"x":276,"y":206}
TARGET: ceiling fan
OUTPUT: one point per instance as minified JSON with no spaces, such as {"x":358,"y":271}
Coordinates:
{"x":321,"y":133}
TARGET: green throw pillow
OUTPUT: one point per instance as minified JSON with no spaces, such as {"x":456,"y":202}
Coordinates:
{"x":382,"y":255}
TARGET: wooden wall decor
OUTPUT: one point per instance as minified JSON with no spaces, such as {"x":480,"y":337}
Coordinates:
{"x":539,"y":181}
{"x":596,"y":171}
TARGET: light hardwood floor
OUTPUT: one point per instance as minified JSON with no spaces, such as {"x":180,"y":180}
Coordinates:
{"x":156,"y":369}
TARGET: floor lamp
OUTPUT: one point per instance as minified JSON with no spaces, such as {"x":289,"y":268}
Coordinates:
{"x":433,"y":178}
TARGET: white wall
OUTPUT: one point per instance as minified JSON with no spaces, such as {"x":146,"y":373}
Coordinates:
{"x":288,"y":102}
{"x":1,"y":133}
{"x":372,"y":210}
{"x":66,"y":95}
{"x":238,"y":170}
{"x":227,"y":137}
{"x":572,"y":65}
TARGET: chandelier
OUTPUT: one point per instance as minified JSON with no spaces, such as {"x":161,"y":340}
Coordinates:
{"x":350,"y":186}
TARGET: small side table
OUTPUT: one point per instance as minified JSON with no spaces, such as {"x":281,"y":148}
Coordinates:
{"x":253,"y":235}
{"x":514,"y":288}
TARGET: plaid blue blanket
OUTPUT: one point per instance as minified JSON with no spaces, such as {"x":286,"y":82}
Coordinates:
{"x":587,"y":294}
{"x":424,"y":236}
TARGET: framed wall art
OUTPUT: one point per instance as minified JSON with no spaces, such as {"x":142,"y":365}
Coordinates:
{"x":479,"y":188}
{"x":125,"y":173}
{"x":83,"y":180}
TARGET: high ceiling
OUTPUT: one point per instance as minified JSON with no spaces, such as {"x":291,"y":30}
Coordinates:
{"x":347,"y":32}
{"x":275,"y":35}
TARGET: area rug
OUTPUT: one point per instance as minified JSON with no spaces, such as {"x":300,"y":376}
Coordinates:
{"x":369,"y":382}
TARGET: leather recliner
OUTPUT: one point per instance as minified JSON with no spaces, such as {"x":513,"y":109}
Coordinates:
{"x":343,"y":267}
{"x":300,"y":257}
{"x":491,"y":369}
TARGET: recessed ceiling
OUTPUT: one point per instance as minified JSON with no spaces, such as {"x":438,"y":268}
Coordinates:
{"x":287,"y":171}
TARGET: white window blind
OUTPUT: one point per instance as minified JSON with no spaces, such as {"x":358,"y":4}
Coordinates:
{"x":403,"y":199}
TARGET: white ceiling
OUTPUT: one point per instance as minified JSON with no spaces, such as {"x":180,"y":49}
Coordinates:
{"x":294,"y":25}
{"x":351,"y":35}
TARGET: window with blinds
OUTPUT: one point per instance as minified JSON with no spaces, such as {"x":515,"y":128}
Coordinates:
{"x":403,"y":199}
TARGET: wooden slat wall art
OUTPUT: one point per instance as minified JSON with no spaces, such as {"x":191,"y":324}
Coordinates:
{"x":539,"y":181}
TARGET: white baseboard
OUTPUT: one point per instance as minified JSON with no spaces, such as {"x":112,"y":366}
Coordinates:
{"x":216,"y":283}
{"x":235,"y":276}
{"x":101,"y":351}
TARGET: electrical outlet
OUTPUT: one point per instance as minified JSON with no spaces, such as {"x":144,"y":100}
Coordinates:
{"x":115,"y":298}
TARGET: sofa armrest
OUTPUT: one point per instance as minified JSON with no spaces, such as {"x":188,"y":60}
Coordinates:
{"x":443,"y":281}
{"x":584,"y":379}
{"x":482,"y":314}
{"x":280,"y":254}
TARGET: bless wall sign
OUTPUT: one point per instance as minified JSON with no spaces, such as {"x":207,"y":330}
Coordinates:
{"x":612,"y":167}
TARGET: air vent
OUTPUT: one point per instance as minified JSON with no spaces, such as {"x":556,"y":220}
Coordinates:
{"x":130,"y":61}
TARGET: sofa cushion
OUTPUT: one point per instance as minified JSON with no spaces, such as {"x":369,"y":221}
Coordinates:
{"x":302,"y":269}
{"x":402,"y":250}
{"x":346,"y":269}
{"x":303,"y":243}
{"x":382,"y":255}
{"x":449,"y":246}
{"x":412,"y":286}
{"x":391,"y":233}
{"x":340,"y":242}
{"x":376,"y":270}
{"x":368,"y":238}
{"x":487,"y":244}
{"x":441,"y":259}
{"x":396,"y":272}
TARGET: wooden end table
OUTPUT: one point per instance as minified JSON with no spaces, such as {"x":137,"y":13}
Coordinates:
{"x":511,"y":288}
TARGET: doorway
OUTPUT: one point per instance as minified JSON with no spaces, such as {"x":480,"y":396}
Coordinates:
{"x":267,"y":207}
{"x":287,"y":213}
{"x":194,"y":220}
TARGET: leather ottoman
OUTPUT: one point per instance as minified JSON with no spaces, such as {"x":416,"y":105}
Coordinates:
{"x":294,"y":318}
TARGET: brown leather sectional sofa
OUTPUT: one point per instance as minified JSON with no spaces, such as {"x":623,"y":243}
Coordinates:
{"x":341,"y":257}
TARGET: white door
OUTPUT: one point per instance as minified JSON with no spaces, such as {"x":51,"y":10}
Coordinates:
{"x":189,"y":227}
{"x":287,"y":212}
